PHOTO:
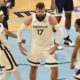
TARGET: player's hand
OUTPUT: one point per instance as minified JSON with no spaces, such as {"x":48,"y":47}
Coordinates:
{"x":23,"y":41}
{"x":52,"y":50}
{"x":71,"y":66}
{"x":22,"y":50}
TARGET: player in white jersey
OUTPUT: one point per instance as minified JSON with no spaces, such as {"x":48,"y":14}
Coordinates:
{"x":76,"y":53}
{"x":41,"y":40}
{"x":7,"y":61}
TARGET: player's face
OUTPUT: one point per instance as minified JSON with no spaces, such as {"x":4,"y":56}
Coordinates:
{"x":77,"y":28}
{"x":40,"y":12}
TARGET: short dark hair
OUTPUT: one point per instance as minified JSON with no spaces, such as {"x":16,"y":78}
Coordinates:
{"x":78,"y":22}
{"x":40,"y":5}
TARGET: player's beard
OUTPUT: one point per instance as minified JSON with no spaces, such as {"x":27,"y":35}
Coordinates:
{"x":40,"y":17}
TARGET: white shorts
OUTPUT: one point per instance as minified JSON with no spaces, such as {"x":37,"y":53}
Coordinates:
{"x":38,"y":52}
{"x":7,"y":60}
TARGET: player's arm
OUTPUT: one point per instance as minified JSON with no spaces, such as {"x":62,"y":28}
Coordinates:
{"x":26,"y":22}
{"x":58,"y":29}
{"x":74,"y":54}
{"x":9,"y":33}
{"x":22,"y":27}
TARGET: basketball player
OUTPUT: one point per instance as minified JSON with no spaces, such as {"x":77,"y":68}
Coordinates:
{"x":41,"y":40}
{"x":7,"y":60}
{"x":67,"y":6}
{"x":76,"y":53}
{"x":5,"y":10}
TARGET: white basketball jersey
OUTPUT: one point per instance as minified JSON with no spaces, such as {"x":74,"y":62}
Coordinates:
{"x":41,"y":31}
{"x":78,"y":60}
{"x":2,"y":38}
{"x":7,"y":60}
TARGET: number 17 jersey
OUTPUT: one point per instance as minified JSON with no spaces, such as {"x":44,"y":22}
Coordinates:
{"x":41,"y":31}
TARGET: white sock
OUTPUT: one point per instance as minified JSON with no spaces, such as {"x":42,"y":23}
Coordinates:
{"x":67,"y":32}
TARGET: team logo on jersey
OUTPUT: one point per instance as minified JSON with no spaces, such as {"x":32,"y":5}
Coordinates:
{"x":38,"y":26}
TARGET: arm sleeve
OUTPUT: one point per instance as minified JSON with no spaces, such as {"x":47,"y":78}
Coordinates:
{"x":19,"y":32}
{"x":59,"y":33}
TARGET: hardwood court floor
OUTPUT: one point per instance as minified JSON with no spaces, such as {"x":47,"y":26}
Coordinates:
{"x":64,"y":56}
{"x":29,"y":5}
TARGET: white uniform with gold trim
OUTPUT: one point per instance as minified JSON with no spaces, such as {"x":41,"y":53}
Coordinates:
{"x":7,"y":60}
{"x":41,"y":42}
{"x":41,"y":31}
